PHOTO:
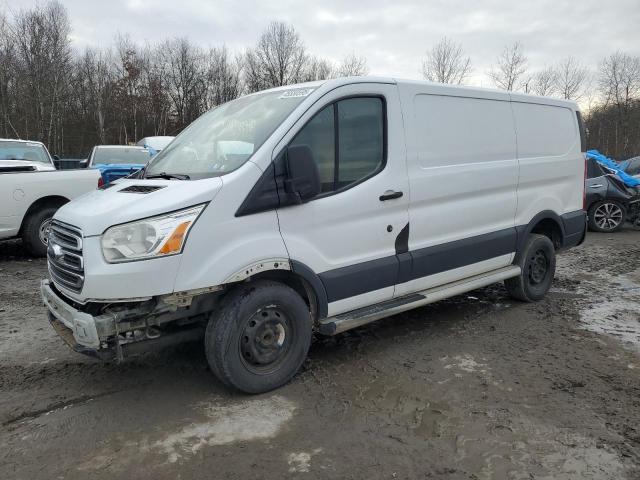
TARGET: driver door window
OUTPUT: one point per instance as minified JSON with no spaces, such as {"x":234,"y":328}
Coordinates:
{"x":346,"y":139}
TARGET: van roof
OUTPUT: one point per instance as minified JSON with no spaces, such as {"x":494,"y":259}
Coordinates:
{"x":457,"y":90}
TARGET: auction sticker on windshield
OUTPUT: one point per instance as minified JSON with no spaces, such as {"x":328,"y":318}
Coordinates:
{"x":296,"y":92}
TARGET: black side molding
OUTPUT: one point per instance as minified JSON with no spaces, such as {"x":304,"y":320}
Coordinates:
{"x":575,"y":228}
{"x":402,"y":240}
{"x":317,"y":285}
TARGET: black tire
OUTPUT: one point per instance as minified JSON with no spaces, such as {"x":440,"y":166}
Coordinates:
{"x":31,"y":231}
{"x":259,"y":337}
{"x":607,"y":216}
{"x":538,"y":265}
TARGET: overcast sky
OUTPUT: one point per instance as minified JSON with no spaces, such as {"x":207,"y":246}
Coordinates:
{"x":392,"y":35}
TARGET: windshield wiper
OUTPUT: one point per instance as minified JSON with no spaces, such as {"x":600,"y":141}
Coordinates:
{"x":169,"y":176}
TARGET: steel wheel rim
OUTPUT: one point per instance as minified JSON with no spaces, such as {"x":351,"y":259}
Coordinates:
{"x":608,"y":216}
{"x":265,"y":340}
{"x":538,"y":267}
{"x":43,"y":231}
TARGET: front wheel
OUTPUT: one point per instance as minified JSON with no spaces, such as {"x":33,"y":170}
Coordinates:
{"x":538,"y":266}
{"x":259,"y":338}
{"x":35,"y":232}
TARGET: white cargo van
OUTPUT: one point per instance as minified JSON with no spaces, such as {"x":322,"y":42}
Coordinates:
{"x":349,"y":200}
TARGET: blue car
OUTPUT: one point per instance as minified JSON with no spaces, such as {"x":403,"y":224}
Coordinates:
{"x":117,"y":161}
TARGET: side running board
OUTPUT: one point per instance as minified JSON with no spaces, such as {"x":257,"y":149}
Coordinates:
{"x":356,"y":318}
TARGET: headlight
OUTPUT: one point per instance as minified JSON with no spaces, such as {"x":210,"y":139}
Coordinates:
{"x":152,"y":237}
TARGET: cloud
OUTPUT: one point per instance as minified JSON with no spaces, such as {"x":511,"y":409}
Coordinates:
{"x":392,"y":35}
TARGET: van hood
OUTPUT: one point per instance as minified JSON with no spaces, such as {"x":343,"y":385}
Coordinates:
{"x":133,"y":199}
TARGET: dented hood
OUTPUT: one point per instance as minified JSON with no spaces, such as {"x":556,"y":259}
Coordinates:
{"x":133,"y":199}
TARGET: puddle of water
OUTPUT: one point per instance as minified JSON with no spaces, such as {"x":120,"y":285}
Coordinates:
{"x":618,"y":318}
{"x":611,"y":305}
{"x":250,"y":420}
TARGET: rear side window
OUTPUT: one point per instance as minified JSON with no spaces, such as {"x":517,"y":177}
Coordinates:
{"x":347,"y":140}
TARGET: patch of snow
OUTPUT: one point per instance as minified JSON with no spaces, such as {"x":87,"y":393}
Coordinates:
{"x":465,"y":363}
{"x":249,"y":420}
{"x":301,"y":462}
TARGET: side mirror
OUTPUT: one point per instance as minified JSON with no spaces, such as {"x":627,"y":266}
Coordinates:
{"x":56,"y":158}
{"x":303,"y":177}
{"x":83,"y":163}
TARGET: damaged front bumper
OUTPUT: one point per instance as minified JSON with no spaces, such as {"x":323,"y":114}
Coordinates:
{"x":78,"y":329}
{"x":111,"y":335}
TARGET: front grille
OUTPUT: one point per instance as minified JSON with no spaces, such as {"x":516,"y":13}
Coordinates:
{"x":64,"y":255}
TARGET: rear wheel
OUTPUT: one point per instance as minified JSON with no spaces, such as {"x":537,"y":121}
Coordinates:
{"x":259,"y":338}
{"x":606,"y":216}
{"x":35,"y":232}
{"x":538,"y":266}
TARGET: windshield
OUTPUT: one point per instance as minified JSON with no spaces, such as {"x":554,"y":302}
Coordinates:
{"x":120,"y":156}
{"x":224,"y":138}
{"x":30,"y":152}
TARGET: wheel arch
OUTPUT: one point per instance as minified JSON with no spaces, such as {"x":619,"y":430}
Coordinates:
{"x":547,"y":223}
{"x":304,"y":281}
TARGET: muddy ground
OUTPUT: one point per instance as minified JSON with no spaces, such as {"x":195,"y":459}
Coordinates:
{"x":475,"y":387}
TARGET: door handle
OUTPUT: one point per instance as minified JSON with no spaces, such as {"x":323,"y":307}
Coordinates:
{"x":390,"y":195}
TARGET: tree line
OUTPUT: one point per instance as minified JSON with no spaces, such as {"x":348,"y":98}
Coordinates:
{"x":74,"y":99}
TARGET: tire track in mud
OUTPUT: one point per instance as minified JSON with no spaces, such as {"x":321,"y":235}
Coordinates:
{"x":56,"y":406}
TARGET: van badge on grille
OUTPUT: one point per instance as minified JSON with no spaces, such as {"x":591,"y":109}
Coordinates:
{"x":56,"y":251}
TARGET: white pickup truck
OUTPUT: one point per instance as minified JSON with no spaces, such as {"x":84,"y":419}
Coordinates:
{"x":31,"y":191}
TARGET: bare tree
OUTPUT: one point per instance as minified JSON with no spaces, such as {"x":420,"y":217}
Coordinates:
{"x":279,"y":58}
{"x":446,"y":62}
{"x":570,"y":78}
{"x":620,"y":78}
{"x":96,"y":79}
{"x":223,"y":76}
{"x":183,"y":64}
{"x":129,"y":64}
{"x":544,"y":82}
{"x":619,"y":83}
{"x":41,"y":37}
{"x":352,"y":65}
{"x":8,"y":78}
{"x":317,"y":69}
{"x":512,"y":65}
{"x":158,"y":112}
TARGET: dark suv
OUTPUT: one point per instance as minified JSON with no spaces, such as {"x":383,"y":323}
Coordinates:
{"x":609,"y":201}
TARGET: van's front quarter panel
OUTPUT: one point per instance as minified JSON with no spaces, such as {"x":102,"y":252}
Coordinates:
{"x":118,"y":281}
{"x":221,"y":244}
